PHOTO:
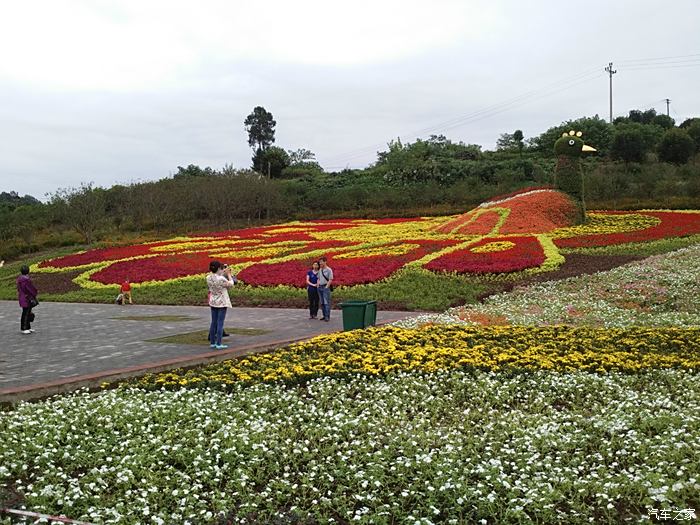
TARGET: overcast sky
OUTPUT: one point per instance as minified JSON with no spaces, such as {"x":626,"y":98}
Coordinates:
{"x":122,"y":91}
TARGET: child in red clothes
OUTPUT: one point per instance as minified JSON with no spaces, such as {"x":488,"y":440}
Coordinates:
{"x":126,"y":292}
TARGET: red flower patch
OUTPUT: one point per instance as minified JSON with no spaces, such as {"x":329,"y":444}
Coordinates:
{"x":482,"y":225}
{"x":527,"y":253}
{"x":673,"y":224}
{"x":531,"y":211}
{"x":347,"y":271}
{"x":102,"y":255}
{"x":172,"y":266}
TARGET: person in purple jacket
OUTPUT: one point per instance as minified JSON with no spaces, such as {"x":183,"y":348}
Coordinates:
{"x":26,"y":294}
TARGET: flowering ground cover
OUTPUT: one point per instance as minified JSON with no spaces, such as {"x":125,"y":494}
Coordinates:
{"x":449,"y":447}
{"x":425,"y":423}
{"x":380,"y":351}
{"x":508,"y":238}
{"x":662,"y":290}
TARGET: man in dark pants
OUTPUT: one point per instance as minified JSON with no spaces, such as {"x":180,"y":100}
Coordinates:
{"x":325,"y":280}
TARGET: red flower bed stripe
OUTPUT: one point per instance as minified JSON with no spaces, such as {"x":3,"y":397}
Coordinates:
{"x":102,"y":255}
{"x":527,"y":253}
{"x":673,"y":224}
{"x":539,"y":212}
{"x":348,"y":271}
{"x":172,"y":266}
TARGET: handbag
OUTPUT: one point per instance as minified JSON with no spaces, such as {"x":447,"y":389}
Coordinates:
{"x":33,"y":303}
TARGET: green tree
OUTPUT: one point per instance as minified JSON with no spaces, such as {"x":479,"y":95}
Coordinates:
{"x":628,"y":143}
{"x":598,"y":133}
{"x":26,"y":221}
{"x":271,"y":161}
{"x":506,"y":142}
{"x":261,"y":128}
{"x":688,"y":122}
{"x":83,"y":208}
{"x":300,"y":155}
{"x":676,"y":146}
{"x":663,"y":121}
{"x":194,"y":171}
{"x":518,"y":138}
{"x":13,"y":199}
{"x":694,"y":131}
{"x":642,"y":117}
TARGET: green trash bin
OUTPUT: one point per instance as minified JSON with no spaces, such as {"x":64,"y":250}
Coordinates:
{"x":359,"y":314}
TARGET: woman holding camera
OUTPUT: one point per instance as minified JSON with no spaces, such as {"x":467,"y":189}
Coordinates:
{"x":219,"y":281}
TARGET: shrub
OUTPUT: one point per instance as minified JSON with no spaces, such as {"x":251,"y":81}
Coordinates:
{"x":628,"y":145}
{"x":676,"y":146}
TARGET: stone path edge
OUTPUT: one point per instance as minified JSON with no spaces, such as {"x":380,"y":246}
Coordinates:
{"x":69,"y":384}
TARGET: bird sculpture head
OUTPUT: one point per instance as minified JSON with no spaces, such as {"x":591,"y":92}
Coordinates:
{"x":571,"y":145}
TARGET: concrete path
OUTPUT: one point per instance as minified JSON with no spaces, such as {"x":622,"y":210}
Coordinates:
{"x":84,"y":344}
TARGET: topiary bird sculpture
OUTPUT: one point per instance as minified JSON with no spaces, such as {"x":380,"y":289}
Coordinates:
{"x":568,"y":173}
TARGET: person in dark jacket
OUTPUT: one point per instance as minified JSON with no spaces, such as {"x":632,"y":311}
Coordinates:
{"x":26,"y":294}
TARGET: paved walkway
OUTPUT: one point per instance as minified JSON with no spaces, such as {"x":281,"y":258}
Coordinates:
{"x":84,"y":344}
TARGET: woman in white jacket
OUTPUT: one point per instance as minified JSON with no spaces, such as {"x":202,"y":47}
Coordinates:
{"x":219,"y":281}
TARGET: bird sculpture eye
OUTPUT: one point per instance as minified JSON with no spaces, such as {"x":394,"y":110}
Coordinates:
{"x":572,"y":142}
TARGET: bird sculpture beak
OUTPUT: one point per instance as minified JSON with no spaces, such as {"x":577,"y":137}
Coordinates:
{"x":586,"y":147}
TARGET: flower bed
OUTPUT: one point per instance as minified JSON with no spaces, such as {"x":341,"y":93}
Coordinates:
{"x":662,"y":290}
{"x":433,"y":347}
{"x":538,"y":210}
{"x":449,"y":447}
{"x":533,"y":224}
{"x":669,"y":224}
{"x":349,"y":267}
{"x":493,"y":255}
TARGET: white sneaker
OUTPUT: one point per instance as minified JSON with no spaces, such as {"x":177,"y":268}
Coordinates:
{"x":32,"y":330}
{"x":26,"y":331}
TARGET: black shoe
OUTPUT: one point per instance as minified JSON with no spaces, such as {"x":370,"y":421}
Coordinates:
{"x":225,"y":334}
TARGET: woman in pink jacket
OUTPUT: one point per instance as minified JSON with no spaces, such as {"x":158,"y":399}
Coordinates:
{"x":26,"y":294}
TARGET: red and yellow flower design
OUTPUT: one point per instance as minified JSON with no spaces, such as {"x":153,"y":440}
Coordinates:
{"x":521,"y":232}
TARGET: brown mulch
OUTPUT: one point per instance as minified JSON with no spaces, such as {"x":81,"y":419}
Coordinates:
{"x":56,"y":283}
{"x":575,"y":265}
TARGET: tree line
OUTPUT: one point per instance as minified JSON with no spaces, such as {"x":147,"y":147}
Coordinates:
{"x":643,"y":160}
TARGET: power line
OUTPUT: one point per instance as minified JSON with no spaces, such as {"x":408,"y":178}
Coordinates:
{"x":486,"y":112}
{"x":658,"y":58}
{"x":650,"y":68}
{"x":667,"y":62}
{"x":637,"y":64}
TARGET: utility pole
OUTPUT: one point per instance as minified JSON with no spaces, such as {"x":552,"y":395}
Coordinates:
{"x":611,"y":72}
{"x":668,"y":102}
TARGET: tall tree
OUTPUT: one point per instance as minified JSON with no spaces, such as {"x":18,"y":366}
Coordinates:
{"x":271,"y":161}
{"x":261,"y":128}
{"x":676,"y":146}
{"x":628,"y":143}
{"x":518,"y":138}
{"x":83,"y":208}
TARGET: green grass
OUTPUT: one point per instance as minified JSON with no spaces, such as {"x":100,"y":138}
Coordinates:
{"x":166,"y":318}
{"x":199,"y":337}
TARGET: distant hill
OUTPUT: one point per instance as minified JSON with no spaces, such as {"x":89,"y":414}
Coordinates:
{"x":13,"y":199}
